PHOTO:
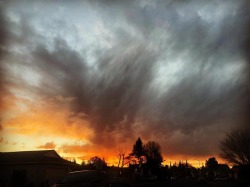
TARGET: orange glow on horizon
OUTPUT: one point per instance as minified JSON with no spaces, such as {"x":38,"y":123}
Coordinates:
{"x":48,"y":125}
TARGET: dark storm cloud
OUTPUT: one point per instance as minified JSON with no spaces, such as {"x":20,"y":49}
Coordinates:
{"x":3,"y":42}
{"x":63,"y":70}
{"x":3,"y":31}
{"x":119,"y":91}
{"x":163,"y":69}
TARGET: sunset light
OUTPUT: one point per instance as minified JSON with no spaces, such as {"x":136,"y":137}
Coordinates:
{"x":88,"y":78}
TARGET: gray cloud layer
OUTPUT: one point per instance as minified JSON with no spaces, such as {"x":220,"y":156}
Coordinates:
{"x":172,"y":71}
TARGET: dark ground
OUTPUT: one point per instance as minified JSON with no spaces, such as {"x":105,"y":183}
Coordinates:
{"x":193,"y":183}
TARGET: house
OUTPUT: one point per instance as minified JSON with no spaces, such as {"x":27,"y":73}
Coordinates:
{"x":32,"y":168}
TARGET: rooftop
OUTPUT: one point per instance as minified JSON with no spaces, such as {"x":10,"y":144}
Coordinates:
{"x":43,"y":156}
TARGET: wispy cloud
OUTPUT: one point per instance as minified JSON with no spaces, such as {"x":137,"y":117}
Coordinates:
{"x":48,"y":145}
{"x":171,"y":71}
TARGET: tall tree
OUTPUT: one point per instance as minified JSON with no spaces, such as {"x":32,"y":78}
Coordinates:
{"x":235,"y":148}
{"x":153,"y":154}
{"x":138,"y":150}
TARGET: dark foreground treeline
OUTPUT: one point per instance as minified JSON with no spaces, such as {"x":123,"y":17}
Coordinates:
{"x":182,"y":174}
{"x":145,"y":164}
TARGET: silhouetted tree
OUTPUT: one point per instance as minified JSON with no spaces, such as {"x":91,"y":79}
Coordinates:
{"x":182,"y":170}
{"x":130,"y":159}
{"x":223,"y":170}
{"x":235,"y":148}
{"x":121,"y":156}
{"x":153,"y":156}
{"x":211,"y":165}
{"x":83,"y":163}
{"x":97,"y":162}
{"x":138,"y":150}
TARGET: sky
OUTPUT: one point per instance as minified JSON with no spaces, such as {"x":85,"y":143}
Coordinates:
{"x":88,"y":78}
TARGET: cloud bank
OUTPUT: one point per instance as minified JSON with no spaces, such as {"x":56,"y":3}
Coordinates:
{"x":175,"y":72}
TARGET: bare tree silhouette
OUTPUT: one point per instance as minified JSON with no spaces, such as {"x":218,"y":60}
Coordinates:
{"x":235,"y":148}
{"x":121,"y":156}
